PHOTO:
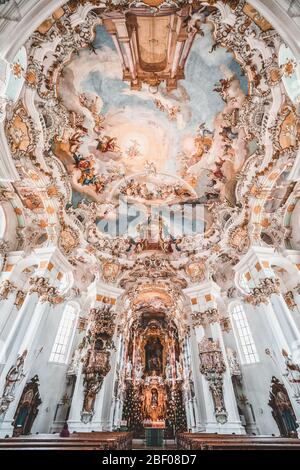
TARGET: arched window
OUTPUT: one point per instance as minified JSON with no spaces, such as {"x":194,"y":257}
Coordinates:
{"x":64,"y":337}
{"x":243,"y":335}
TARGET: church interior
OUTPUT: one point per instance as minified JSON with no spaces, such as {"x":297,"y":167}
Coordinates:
{"x":149,"y":217}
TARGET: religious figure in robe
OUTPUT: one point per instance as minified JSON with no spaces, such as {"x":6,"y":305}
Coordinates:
{"x":282,"y":409}
{"x":154,"y":356}
{"x":154,"y":404}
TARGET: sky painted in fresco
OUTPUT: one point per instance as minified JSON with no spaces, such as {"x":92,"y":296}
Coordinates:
{"x":202,"y":72}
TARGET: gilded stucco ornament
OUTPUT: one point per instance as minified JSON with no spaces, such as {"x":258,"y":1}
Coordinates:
{"x":261,"y":293}
{"x":206,"y":317}
{"x":196,"y":270}
{"x":228,"y":168}
{"x":47,"y":293}
{"x":239,"y":239}
{"x":20,"y":297}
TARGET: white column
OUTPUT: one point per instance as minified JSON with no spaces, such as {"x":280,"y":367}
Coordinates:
{"x":27,"y":343}
{"x":37,"y":317}
{"x":199,"y":402}
{"x":285,"y":319}
{"x":269,"y":313}
{"x":97,"y":422}
{"x":28,"y":305}
{"x":234,"y":423}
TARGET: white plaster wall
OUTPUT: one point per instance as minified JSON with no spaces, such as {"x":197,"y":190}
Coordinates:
{"x":52,"y":376}
{"x":257,"y":377}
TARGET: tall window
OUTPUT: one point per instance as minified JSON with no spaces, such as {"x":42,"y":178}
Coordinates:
{"x":244,"y":336}
{"x":64,"y":336}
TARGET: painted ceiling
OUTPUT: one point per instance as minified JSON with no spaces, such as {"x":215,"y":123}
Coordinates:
{"x":87,"y":131}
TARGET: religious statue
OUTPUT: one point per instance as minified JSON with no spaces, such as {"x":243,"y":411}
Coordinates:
{"x":290,"y":300}
{"x":154,"y":398}
{"x":234,"y":366}
{"x":14,"y":376}
{"x":92,"y":387}
{"x":179,"y":371}
{"x":139,"y":370}
{"x":74,"y":364}
{"x":128,"y":369}
{"x":282,"y":410}
{"x":154,"y":403}
{"x":168,"y":371}
{"x":292,"y":373}
{"x":212,"y":366}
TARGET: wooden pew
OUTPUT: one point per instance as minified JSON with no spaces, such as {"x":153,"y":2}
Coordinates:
{"x":204,"y":441}
{"x":80,"y":441}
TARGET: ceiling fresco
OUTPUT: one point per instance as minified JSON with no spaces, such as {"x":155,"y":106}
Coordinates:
{"x":169,"y":105}
{"x":151,"y":147}
{"x":125,"y":132}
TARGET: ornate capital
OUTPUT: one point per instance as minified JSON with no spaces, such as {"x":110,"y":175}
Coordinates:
{"x":209,"y":316}
{"x":6,"y":288}
{"x":256,"y":297}
{"x":39,"y":285}
{"x":46,"y":292}
{"x":259,"y":295}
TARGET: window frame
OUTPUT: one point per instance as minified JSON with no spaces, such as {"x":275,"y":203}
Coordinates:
{"x":245,"y":342}
{"x":70,"y":336}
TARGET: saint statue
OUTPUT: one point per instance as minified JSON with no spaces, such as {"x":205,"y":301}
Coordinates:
{"x":282,"y":409}
{"x":128,"y":369}
{"x":168,"y":371}
{"x":179,"y":370}
{"x":154,"y":355}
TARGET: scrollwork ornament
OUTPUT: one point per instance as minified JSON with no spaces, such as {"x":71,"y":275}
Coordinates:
{"x":209,"y":316}
{"x":269,"y":286}
{"x":6,"y":288}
